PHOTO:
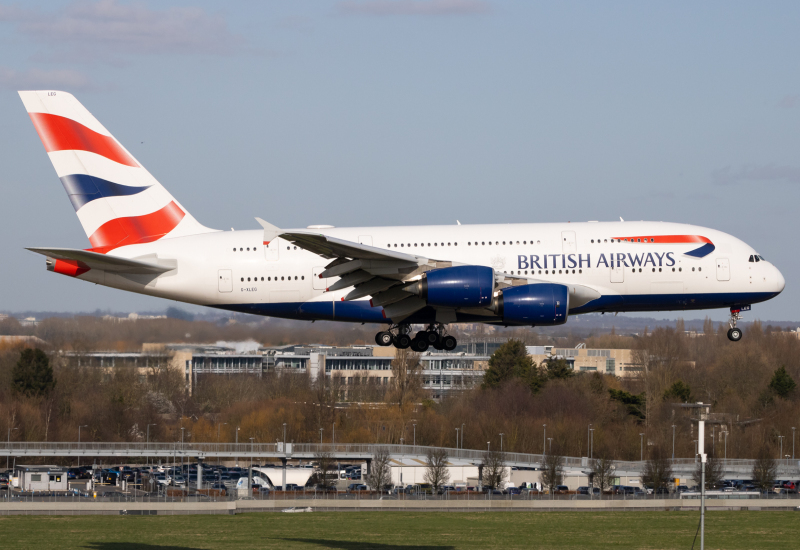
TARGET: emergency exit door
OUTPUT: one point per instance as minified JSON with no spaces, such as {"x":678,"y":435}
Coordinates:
{"x":568,"y":245}
{"x":723,"y":269}
{"x":225,"y":280}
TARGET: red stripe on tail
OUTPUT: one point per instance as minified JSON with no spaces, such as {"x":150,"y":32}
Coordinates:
{"x":63,"y":134}
{"x":136,"y":229}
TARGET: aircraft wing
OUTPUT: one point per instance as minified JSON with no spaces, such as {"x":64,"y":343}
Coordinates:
{"x":94,"y":260}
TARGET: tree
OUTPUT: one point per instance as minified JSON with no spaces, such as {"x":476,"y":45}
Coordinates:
{"x":715,"y":472}
{"x":602,"y":473}
{"x":633,"y":403}
{"x":380,"y":473}
{"x":559,"y":369}
{"x":782,"y":383}
{"x":32,"y":375}
{"x":657,"y":470}
{"x":437,"y":472}
{"x":552,"y":472}
{"x":494,"y":469}
{"x":325,"y":464}
{"x":764,"y":470}
{"x":407,"y":379}
{"x":679,"y":391}
{"x":509,"y":361}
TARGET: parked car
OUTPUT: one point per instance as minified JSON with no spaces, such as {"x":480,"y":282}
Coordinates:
{"x":178,"y":481}
{"x":588,"y":490}
{"x":356,"y":487}
{"x":514,"y":491}
{"x":561,"y":490}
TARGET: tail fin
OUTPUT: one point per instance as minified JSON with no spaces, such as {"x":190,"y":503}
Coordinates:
{"x":117,"y":201}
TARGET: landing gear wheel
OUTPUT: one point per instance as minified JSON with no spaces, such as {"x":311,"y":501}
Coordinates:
{"x":734,"y":334}
{"x":419,"y":344}
{"x":449,"y":343}
{"x":384,"y":338}
{"x":429,"y":336}
{"x":402,"y":341}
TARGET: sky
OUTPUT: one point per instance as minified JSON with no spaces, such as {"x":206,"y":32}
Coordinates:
{"x":398,"y":112}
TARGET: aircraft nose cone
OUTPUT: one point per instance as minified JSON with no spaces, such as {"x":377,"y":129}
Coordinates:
{"x":780,"y":281}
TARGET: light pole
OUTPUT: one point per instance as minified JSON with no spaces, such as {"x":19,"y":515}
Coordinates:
{"x":501,"y":443}
{"x":250,"y":469}
{"x":146,"y":441}
{"x":489,"y":446}
{"x":320,"y":436}
{"x":182,"y":453}
{"x":10,"y":429}
{"x":588,"y":437}
{"x":714,"y":440}
{"x":544,"y":440}
{"x":237,"y":445}
{"x":218,"y":429}
{"x":550,"y":443}
{"x":641,"y":447}
{"x":726,"y":447}
{"x":591,"y":444}
{"x":695,"y":449}
{"x":462,"y":434}
{"x":415,"y":435}
{"x":673,"y":442}
{"x":456,"y":438}
{"x":79,"y":441}
{"x":780,"y":456}
{"x":792,"y":443}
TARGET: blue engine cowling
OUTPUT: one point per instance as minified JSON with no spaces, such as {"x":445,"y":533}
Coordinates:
{"x":542,"y":304}
{"x":462,"y":286}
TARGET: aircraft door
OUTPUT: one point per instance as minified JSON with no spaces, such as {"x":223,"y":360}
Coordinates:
{"x":723,"y":269}
{"x":272,"y":249}
{"x":365,"y":239}
{"x":568,"y":245}
{"x":225,"y":280}
{"x":617,"y":274}
{"x":318,"y":284}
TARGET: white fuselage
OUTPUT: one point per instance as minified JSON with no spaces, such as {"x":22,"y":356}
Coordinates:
{"x":234,"y":270}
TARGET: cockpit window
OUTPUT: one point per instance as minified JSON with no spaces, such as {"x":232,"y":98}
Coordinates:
{"x":761,"y":258}
{"x":752,"y":258}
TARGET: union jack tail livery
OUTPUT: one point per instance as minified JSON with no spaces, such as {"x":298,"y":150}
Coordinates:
{"x":118,"y":202}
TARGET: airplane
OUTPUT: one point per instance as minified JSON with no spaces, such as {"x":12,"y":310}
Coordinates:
{"x":528,"y":274}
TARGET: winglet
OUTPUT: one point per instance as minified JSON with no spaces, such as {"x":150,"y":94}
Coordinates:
{"x":270,"y":231}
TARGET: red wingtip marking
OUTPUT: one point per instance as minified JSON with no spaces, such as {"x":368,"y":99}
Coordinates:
{"x":73,"y":268}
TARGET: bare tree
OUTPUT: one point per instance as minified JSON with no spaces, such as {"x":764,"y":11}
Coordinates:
{"x":602,"y":473}
{"x":657,"y":470}
{"x":714,"y":472}
{"x":407,"y":379}
{"x":764,"y":470}
{"x":437,"y":472}
{"x":325,"y":464}
{"x":494,"y":469}
{"x":552,"y":472}
{"x":380,"y":473}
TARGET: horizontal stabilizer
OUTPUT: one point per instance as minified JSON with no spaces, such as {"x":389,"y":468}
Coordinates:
{"x":104,"y":262}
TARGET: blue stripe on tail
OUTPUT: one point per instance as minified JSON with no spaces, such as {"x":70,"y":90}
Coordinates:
{"x":83,"y":189}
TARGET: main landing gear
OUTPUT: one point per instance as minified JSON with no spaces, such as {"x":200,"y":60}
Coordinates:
{"x":434,"y":336}
{"x":735,"y":334}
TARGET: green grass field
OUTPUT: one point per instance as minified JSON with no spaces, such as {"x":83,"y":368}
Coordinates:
{"x":404,"y":530}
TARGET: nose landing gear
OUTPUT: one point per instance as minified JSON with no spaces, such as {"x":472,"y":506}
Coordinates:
{"x":735,"y":334}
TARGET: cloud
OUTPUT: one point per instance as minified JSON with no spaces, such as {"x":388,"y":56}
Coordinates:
{"x":37,"y":79}
{"x":108,"y":27}
{"x":789,"y":101}
{"x":755,"y":173}
{"x":414,"y":7}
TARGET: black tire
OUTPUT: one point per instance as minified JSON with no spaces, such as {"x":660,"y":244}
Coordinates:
{"x":449,"y":343}
{"x":419,"y":344}
{"x":430,"y":336}
{"x":735,"y":334}
{"x":402,"y":341}
{"x":384,"y":338}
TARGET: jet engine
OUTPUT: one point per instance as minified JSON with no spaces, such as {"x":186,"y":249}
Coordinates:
{"x":542,"y":304}
{"x":461,"y":286}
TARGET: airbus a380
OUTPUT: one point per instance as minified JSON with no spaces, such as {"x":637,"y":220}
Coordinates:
{"x":534,"y":274}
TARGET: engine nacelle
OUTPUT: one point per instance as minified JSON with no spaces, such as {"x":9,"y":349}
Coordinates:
{"x":542,"y":304}
{"x":461,"y":286}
